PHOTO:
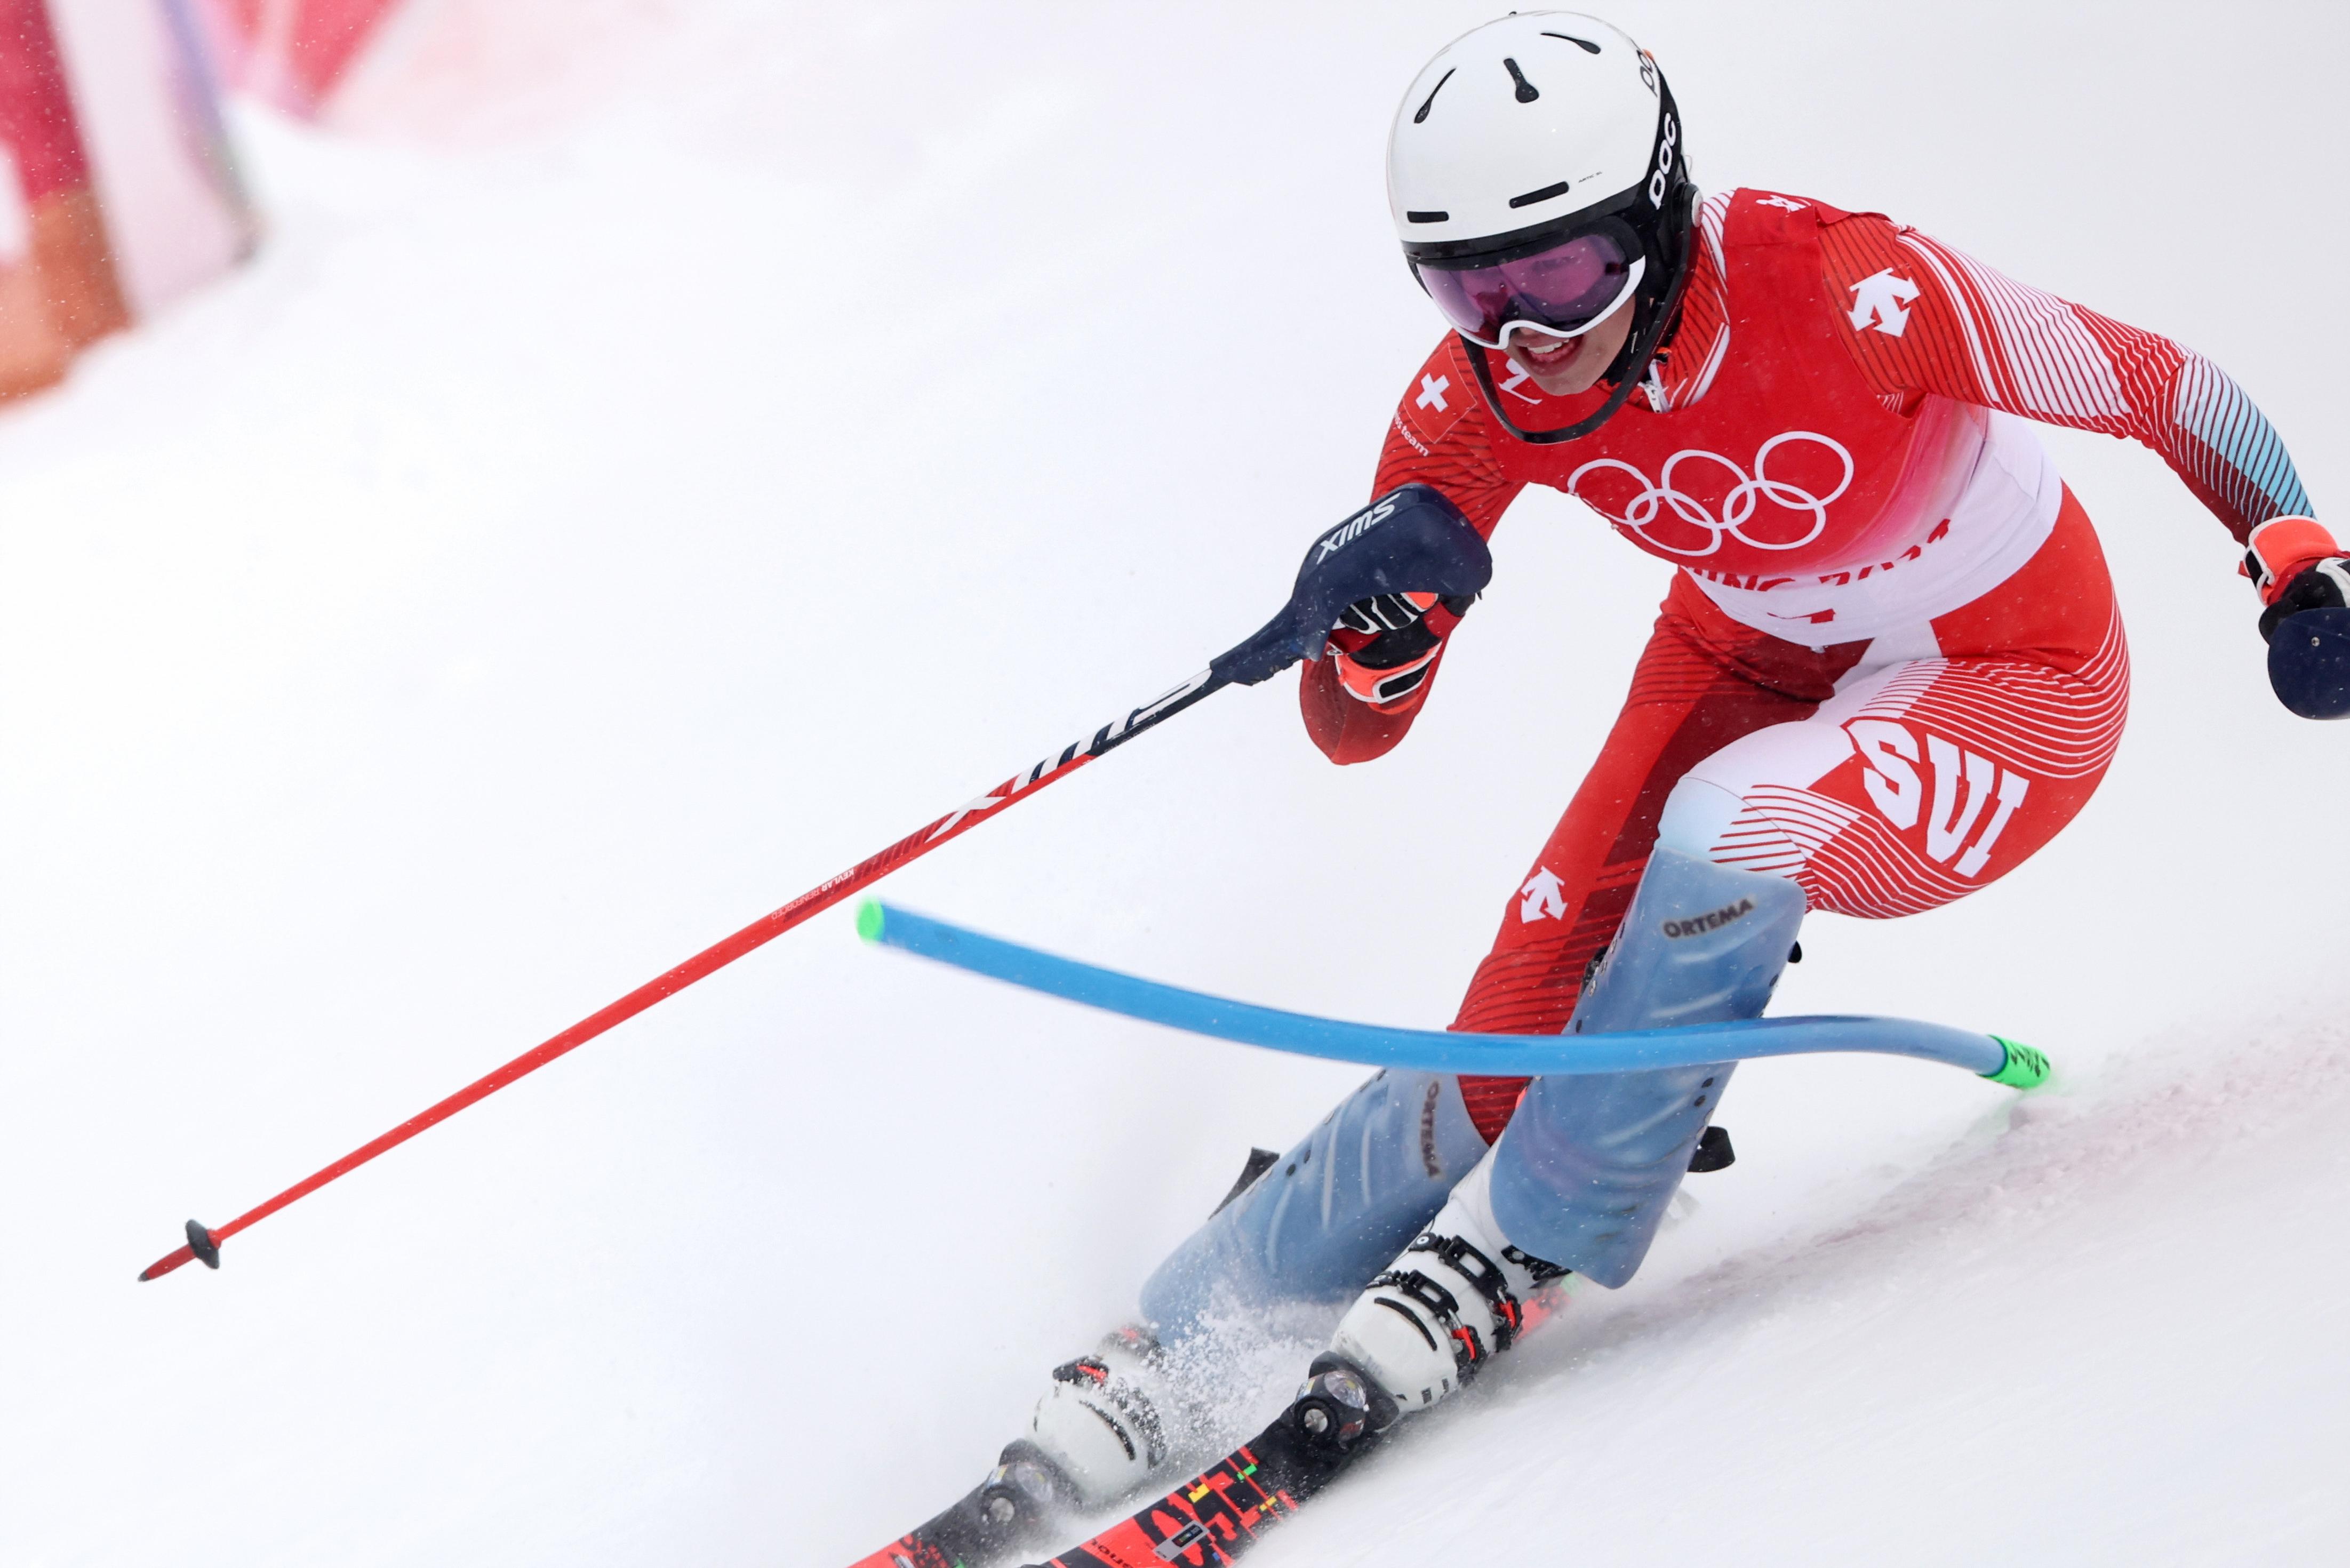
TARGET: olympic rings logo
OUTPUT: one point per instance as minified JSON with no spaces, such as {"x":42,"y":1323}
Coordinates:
{"x":1737,"y":506}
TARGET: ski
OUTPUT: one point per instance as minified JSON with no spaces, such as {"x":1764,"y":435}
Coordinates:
{"x":1210,"y":1520}
{"x":1010,"y":1511}
{"x":1206,"y":1522}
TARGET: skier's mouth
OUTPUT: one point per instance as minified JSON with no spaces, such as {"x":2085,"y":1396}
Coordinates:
{"x":1542,"y":352}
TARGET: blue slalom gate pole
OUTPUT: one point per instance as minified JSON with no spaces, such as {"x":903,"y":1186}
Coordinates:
{"x":1989,"y":1056}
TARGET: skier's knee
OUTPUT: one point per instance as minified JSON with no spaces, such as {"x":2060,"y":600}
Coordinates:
{"x":1698,"y":815}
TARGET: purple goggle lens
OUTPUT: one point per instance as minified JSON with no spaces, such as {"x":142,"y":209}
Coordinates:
{"x":1564,"y":290}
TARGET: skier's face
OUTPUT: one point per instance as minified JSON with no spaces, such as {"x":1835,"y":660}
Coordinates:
{"x":1561,"y":366}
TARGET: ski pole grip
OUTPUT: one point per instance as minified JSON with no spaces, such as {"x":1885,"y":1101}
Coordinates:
{"x":2309,"y":663}
{"x":1409,"y":541}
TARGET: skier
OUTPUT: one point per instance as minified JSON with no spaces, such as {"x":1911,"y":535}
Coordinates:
{"x":1888,"y":669}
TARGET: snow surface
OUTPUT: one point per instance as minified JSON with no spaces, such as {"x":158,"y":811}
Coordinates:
{"x":606,"y":509}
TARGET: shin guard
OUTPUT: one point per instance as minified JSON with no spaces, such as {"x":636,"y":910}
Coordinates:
{"x":1328,"y":1214}
{"x":1587,"y":1166}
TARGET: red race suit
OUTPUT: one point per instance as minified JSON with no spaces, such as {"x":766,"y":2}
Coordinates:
{"x":1890,"y":666}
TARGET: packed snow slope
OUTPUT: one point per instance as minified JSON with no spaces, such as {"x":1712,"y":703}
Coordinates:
{"x":624,"y":491}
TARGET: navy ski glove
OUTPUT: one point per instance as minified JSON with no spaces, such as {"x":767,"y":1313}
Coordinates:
{"x":1409,"y":542}
{"x":2303,"y":578}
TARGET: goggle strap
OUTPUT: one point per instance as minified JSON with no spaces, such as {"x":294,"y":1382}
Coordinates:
{"x":1576,"y":431}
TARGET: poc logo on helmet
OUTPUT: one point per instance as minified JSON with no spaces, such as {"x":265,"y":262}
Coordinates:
{"x":1665,"y":145}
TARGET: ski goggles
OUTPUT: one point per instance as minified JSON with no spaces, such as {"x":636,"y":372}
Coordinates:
{"x":1564,"y":290}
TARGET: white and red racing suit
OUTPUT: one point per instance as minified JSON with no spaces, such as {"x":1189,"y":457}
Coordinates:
{"x":1890,"y":665}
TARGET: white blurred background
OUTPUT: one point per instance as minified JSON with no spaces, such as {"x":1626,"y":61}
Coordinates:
{"x":665,"y":451}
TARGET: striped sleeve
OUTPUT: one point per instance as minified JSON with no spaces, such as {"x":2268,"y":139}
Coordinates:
{"x":1923,"y":318}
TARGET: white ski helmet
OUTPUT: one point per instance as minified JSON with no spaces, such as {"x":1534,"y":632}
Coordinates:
{"x":1537,"y":177}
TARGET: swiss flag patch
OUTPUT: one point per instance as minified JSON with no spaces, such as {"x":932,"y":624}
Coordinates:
{"x":1441,"y":392}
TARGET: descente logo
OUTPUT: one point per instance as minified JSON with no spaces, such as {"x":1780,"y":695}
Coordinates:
{"x":1703,"y":923}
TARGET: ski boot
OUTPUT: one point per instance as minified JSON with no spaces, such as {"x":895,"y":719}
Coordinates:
{"x":1099,"y":1423}
{"x":1096,"y":1436}
{"x":1457,"y":1297}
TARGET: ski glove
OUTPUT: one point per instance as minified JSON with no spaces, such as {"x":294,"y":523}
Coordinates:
{"x":1384,"y":648}
{"x":2296,"y":566}
{"x":2303,"y":578}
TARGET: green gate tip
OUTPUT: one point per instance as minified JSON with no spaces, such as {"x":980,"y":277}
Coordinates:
{"x":2025,"y":1068}
{"x":868,"y":919}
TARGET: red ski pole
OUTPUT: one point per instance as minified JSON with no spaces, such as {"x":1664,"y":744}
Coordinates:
{"x":203,"y":1243}
{"x":1422,"y":544}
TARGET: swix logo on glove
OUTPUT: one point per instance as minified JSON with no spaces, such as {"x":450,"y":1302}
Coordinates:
{"x":1354,"y":528}
{"x":1965,"y":783}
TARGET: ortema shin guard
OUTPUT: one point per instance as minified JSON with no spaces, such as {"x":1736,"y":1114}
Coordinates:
{"x":1584,"y":1172}
{"x":1328,"y":1215}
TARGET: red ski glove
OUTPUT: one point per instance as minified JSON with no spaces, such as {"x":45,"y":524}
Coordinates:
{"x":1382,"y":649}
{"x":2296,"y":566}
